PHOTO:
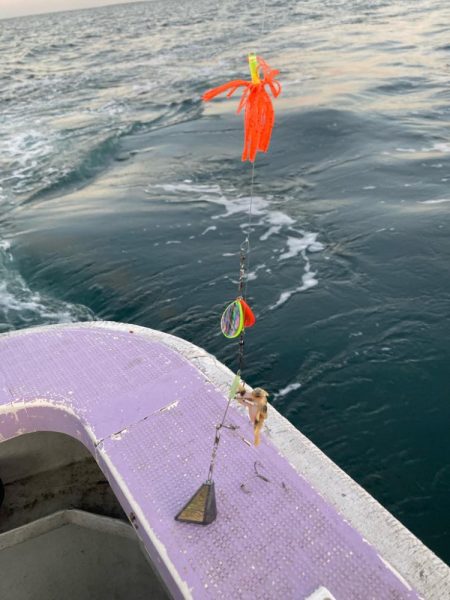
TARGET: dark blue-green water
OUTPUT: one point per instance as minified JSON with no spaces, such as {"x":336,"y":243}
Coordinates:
{"x":123,"y":197}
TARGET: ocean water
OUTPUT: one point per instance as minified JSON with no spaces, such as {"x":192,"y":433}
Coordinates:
{"x":123,"y":197}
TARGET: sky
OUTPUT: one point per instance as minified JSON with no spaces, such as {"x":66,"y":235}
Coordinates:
{"x":16,"y":8}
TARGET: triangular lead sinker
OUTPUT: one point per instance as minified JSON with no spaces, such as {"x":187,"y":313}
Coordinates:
{"x":201,"y":508}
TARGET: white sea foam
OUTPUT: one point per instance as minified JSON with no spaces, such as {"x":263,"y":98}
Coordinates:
{"x":210,"y":228}
{"x":254,"y":274}
{"x":260,"y":207}
{"x":298,"y":242}
{"x":17,"y":301}
{"x":309,"y":280}
{"x":298,"y":245}
{"x":188,"y":186}
{"x":439,"y":201}
{"x":241,"y":205}
{"x":19,"y":304}
{"x":214,"y":195}
{"x":272,"y":230}
{"x":277,"y":220}
{"x":25,"y":154}
{"x":442,"y":147}
{"x":26,"y":144}
{"x":288,"y":389}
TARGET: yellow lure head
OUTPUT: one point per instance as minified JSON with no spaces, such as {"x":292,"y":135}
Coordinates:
{"x":254,"y":67}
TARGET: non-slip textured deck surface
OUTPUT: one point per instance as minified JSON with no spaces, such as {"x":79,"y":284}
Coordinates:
{"x":149,"y":417}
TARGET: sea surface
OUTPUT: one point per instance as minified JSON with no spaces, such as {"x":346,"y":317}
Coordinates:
{"x":123,"y":197}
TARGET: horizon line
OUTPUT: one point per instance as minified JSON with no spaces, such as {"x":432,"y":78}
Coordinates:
{"x":67,"y":10}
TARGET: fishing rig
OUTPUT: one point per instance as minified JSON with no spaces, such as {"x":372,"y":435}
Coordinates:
{"x":259,"y":117}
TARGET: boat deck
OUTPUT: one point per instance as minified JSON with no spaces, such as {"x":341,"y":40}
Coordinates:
{"x":147,"y":414}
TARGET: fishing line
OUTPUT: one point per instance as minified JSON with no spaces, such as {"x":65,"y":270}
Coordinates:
{"x":244,"y":265}
{"x":249,"y":225}
{"x":259,"y":117}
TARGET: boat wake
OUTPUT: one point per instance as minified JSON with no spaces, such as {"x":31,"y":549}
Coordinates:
{"x":271,"y":225}
{"x":22,"y":307}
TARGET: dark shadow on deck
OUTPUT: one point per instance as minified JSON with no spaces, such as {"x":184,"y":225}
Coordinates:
{"x":48,"y":547}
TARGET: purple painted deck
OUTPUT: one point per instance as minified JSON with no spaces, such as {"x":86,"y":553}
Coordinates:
{"x":148,"y":417}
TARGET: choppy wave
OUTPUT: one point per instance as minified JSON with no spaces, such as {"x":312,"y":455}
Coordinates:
{"x":291,"y":242}
{"x":22,"y":307}
{"x":38,"y":160}
{"x":23,"y":156}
